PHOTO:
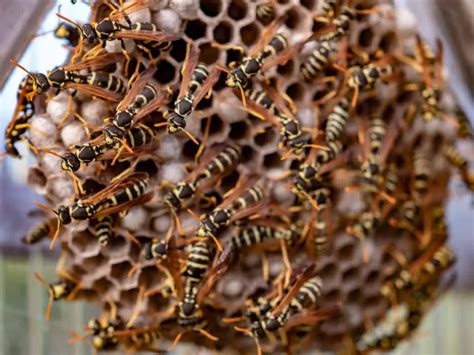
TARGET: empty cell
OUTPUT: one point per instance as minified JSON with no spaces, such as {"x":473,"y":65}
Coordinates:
{"x":346,"y":252}
{"x":365,"y":37}
{"x":295,"y":91}
{"x":211,"y":8}
{"x":189,"y":149}
{"x":286,"y":69}
{"x":147,"y":166}
{"x":294,"y":18}
{"x":85,"y":242}
{"x":230,"y":180}
{"x":165,"y":72}
{"x":195,"y":29}
{"x":350,"y":275}
{"x":103,"y":286}
{"x":223,"y":32}
{"x":209,"y":54}
{"x":178,"y":52}
{"x":120,"y":271}
{"x":309,"y":4}
{"x":215,"y":126}
{"x":264,"y":136}
{"x":328,"y":271}
{"x":272,"y":160}
{"x":238,"y":130}
{"x":388,"y":42}
{"x":237,"y":9}
{"x":247,"y":154}
{"x":250,"y":34}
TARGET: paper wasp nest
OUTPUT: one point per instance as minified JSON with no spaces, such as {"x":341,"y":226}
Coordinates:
{"x":349,"y":278}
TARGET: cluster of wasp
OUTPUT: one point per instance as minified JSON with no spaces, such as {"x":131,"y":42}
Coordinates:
{"x":376,"y":138}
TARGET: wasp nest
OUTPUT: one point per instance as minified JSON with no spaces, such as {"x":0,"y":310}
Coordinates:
{"x":313,"y":216}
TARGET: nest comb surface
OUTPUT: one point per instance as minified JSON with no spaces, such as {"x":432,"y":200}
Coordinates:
{"x":347,"y":278}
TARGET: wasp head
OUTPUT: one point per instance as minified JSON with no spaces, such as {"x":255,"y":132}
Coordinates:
{"x":89,"y":34}
{"x":40,"y":83}
{"x":64,"y":215}
{"x":70,"y":162}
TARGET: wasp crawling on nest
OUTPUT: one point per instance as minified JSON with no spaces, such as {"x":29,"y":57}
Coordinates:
{"x":248,"y":174}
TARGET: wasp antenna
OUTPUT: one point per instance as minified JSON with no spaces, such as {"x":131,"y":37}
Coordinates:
{"x":14,"y":62}
{"x":175,"y":342}
{"x":47,"y":314}
{"x":190,"y":136}
{"x":56,"y":234}
{"x":192,"y":213}
{"x":137,"y":308}
{"x":131,"y":237}
{"x":40,"y":205}
{"x":40,"y":279}
{"x":76,"y":338}
{"x":69,"y":20}
{"x":208,"y":335}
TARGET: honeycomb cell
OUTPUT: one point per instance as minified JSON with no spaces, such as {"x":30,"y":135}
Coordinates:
{"x":366,"y":37}
{"x":103,"y":286}
{"x":295,"y":91}
{"x":328,"y":271}
{"x":388,"y":42}
{"x":165,"y":72}
{"x":94,"y":263}
{"x":331,"y":296}
{"x":346,"y":251}
{"x":85,"y":243}
{"x":195,"y":29}
{"x":209,"y":53}
{"x":237,"y":9}
{"x":189,"y":149}
{"x":250,"y":34}
{"x":273,"y":160}
{"x":247,"y":153}
{"x":294,"y":18}
{"x":286,"y":69}
{"x":238,"y":130}
{"x":354,"y":295}
{"x":211,"y":8}
{"x":216,"y":125}
{"x":230,"y":180}
{"x":309,"y":4}
{"x":119,"y":271}
{"x":265,"y":136}
{"x":350,"y":276}
{"x":148,"y":166}
{"x":178,"y":52}
{"x":223,"y":32}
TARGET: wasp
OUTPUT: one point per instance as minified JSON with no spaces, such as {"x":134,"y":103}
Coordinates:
{"x":196,"y":82}
{"x":142,"y":99}
{"x":68,"y":32}
{"x":456,"y":159}
{"x":103,"y":229}
{"x":337,"y":120}
{"x":218,"y":162}
{"x":94,"y":150}
{"x":269,"y":45}
{"x":110,"y":28}
{"x":270,"y":106}
{"x":24,"y":110}
{"x":421,"y":174}
{"x":65,"y":288}
{"x":119,"y":196}
{"x":317,"y":61}
{"x":40,"y":231}
{"x":308,"y":173}
{"x":265,"y":12}
{"x":190,"y":314}
{"x":342,"y":21}
{"x":409,"y":212}
{"x":239,"y":204}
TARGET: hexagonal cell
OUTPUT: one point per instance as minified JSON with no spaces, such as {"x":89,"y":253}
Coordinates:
{"x":309,"y":4}
{"x":295,"y":18}
{"x":117,"y":248}
{"x":120,"y":271}
{"x":195,"y":29}
{"x":346,"y":251}
{"x":328,"y":271}
{"x":238,"y":130}
{"x":178,"y":52}
{"x":247,"y":154}
{"x":388,"y":42}
{"x":85,"y":243}
{"x":237,"y":9}
{"x":149,"y":275}
{"x":103,"y":287}
{"x":215,"y":127}
{"x":209,"y":53}
{"x":331,"y":296}
{"x":211,"y":8}
{"x":223,"y":32}
{"x":286,"y":69}
{"x":273,"y":160}
{"x":205,"y":103}
{"x":230,"y":180}
{"x":147,"y":166}
{"x":189,"y":149}
{"x":265,"y":136}
{"x":86,"y":294}
{"x":350,"y":276}
{"x":372,"y":277}
{"x":295,"y":91}
{"x":365,"y":37}
{"x":354,"y":295}
{"x":165,"y":72}
{"x":250,"y":34}
{"x":94,"y":263}
{"x":233,"y":56}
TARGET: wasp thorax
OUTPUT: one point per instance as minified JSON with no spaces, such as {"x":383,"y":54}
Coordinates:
{"x":57,"y":77}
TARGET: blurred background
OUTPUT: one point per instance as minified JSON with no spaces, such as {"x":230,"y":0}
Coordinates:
{"x":23,"y":329}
